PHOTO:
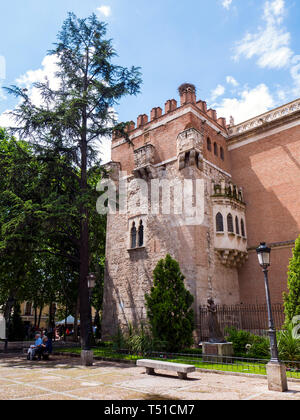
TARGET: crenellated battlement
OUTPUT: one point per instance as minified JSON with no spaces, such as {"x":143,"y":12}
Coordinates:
{"x":187,"y":94}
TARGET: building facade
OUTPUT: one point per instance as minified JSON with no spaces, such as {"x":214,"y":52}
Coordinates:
{"x":207,"y":193}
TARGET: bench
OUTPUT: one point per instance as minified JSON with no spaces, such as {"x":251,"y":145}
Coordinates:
{"x":151,"y":365}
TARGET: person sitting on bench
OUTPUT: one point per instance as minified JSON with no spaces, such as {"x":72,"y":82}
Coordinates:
{"x":45,"y":349}
{"x":35,"y":349}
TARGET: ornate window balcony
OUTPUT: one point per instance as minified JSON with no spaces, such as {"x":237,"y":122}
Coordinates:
{"x":143,"y":162}
{"x":190,"y":149}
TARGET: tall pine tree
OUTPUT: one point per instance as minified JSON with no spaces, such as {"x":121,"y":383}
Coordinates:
{"x":74,"y":117}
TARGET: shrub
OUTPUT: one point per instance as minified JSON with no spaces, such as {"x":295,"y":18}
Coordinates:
{"x":292,"y":299}
{"x":169,"y":307}
{"x":288,"y":345}
{"x":239,"y":339}
{"x":140,"y":341}
{"x":248,"y":345}
{"x":260,"y":347}
{"x":119,"y":341}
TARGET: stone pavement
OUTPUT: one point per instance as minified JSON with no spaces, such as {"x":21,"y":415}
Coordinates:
{"x":63,"y":378}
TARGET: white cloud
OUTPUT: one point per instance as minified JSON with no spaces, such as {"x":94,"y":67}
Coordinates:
{"x":226,"y":4}
{"x":295,"y":73}
{"x":231,"y":81}
{"x":271,"y":43}
{"x":218,"y":91}
{"x":104,"y":10}
{"x":250,"y":103}
{"x":46,"y":72}
{"x":5,"y":120}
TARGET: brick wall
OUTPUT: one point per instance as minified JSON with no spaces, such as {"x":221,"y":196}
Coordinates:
{"x":269,"y":171}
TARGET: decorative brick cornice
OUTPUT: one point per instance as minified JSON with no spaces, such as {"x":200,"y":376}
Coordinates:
{"x":274,"y":245}
{"x":265,"y":119}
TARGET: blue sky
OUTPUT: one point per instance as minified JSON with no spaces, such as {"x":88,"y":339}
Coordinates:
{"x":242,"y":55}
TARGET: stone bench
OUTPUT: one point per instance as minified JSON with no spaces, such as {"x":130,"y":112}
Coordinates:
{"x":151,"y":365}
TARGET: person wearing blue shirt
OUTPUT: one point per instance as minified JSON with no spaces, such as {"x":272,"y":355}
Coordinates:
{"x":35,"y":349}
{"x":38,"y":341}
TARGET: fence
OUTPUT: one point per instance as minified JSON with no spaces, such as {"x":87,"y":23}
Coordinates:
{"x":217,"y":363}
{"x":252,"y":318}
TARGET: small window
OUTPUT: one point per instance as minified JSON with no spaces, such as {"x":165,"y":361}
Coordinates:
{"x":133,"y":235}
{"x":243,"y":229}
{"x":141,"y":234}
{"x":219,"y":223}
{"x":28,"y":309}
{"x":230,"y":223}
{"x":209,"y":144}
{"x":216,"y":149}
{"x":222,"y":153}
{"x":237,"y":225}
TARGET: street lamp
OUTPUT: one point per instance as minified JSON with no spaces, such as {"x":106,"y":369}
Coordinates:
{"x":91,"y":281}
{"x":87,"y":353}
{"x":275,"y":370}
{"x":263,"y":253}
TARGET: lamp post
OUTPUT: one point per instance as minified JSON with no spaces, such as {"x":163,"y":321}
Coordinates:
{"x":87,"y":355}
{"x":275,"y":370}
{"x":91,"y":286}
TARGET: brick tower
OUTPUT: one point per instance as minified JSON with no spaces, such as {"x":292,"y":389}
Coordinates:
{"x":183,"y":149}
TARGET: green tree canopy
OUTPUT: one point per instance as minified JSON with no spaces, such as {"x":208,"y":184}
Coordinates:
{"x":40,"y":228}
{"x":75,"y":116}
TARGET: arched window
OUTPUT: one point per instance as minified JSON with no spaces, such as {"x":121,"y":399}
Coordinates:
{"x":209,"y":144}
{"x":230,"y":223}
{"x":222,"y":153}
{"x":216,"y":149}
{"x":219,"y":223}
{"x":237,"y":226}
{"x":141,"y":234}
{"x":133,"y":235}
{"x":243,"y":228}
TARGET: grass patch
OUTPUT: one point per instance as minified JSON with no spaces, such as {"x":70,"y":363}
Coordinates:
{"x":237,"y":366}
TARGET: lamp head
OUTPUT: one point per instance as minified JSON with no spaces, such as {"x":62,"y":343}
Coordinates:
{"x":263,"y":253}
{"x":91,"y":281}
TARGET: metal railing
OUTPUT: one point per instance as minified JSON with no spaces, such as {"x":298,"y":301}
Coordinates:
{"x":218,"y":363}
{"x":252,"y":318}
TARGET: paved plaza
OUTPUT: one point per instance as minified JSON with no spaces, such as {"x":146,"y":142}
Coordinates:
{"x":63,"y":378}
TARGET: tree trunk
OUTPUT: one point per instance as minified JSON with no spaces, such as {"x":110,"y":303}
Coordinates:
{"x":85,"y":310}
{"x":40,"y":316}
{"x":51,"y":323}
{"x":76,"y":320}
{"x":35,"y":317}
